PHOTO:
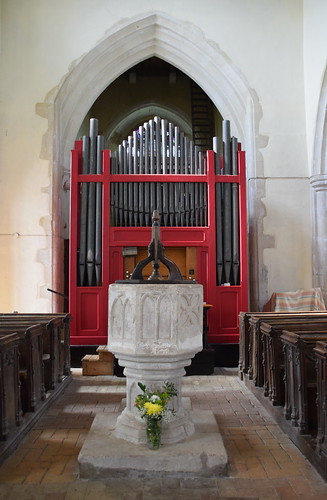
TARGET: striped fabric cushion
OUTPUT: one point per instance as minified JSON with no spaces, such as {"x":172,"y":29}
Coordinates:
{"x":309,"y":299}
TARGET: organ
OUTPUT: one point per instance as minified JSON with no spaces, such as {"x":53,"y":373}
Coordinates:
{"x":201,"y":197}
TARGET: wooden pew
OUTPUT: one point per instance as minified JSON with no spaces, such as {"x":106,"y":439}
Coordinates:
{"x":50,"y":347}
{"x":272,"y":352}
{"x":310,"y":409}
{"x":256,"y":360}
{"x":301,"y":379}
{"x":42,"y":357}
{"x":10,"y":404}
{"x":245,"y":341}
{"x":249,"y":340}
{"x":64,"y":334}
{"x":260,"y":356}
{"x":30,"y":363}
{"x":56,"y":343}
{"x":320,"y":352}
{"x":243,"y":360}
{"x":246,"y":344}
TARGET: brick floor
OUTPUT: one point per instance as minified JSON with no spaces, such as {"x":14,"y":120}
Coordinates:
{"x":263,"y":462}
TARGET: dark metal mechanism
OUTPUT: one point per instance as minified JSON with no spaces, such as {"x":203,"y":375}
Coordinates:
{"x":156,"y":255}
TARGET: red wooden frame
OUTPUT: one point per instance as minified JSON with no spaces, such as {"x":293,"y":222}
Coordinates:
{"x":89,"y":305}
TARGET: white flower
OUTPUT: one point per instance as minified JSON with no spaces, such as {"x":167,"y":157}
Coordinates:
{"x":154,"y":398}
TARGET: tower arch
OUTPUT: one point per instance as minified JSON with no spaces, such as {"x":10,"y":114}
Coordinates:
{"x":186,"y":48}
{"x":319,"y":194}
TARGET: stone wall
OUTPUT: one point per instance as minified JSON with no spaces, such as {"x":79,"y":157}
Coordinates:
{"x":252,"y":59}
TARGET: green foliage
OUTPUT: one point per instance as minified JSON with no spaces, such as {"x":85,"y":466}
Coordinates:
{"x":153,"y":404}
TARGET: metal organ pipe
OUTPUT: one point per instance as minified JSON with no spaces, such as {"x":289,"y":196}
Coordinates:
{"x":160,"y":148}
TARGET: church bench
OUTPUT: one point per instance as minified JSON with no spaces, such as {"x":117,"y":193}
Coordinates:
{"x":10,"y":404}
{"x":34,"y":355}
{"x":56,"y":343}
{"x":49,"y":347}
{"x":272,"y":353}
{"x":65,"y":318}
{"x":301,"y":379}
{"x":248,"y":340}
{"x":244,"y":365}
{"x":320,"y":352}
{"x":256,"y":367}
{"x":257,"y":353}
{"x":31,"y":374}
{"x":245,"y":340}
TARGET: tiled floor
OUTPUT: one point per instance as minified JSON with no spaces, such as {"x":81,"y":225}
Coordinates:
{"x":264,"y":464}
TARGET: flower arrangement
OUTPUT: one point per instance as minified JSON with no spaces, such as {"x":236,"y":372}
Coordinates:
{"x":153,"y":406}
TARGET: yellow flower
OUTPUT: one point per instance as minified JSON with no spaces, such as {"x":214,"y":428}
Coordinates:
{"x":153,"y":408}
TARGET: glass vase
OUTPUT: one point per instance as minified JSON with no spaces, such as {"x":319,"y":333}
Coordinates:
{"x":153,"y":433}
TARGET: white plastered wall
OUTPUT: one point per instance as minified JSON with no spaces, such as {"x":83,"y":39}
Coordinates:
{"x":315,"y":66}
{"x":256,"y":47}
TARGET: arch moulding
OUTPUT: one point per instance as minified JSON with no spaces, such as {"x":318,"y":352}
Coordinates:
{"x":185,"y":47}
{"x":319,"y":194}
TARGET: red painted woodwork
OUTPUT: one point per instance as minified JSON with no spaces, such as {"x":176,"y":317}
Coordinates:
{"x":89,"y":305}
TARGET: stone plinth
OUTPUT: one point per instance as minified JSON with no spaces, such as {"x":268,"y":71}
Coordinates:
{"x":154,"y":331}
{"x":103,"y":455}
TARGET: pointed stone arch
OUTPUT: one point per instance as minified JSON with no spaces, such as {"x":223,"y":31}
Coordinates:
{"x":140,"y":115}
{"x":185,"y":47}
{"x":319,"y":194}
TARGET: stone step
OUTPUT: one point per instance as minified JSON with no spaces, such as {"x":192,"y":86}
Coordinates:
{"x":93,"y":365}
